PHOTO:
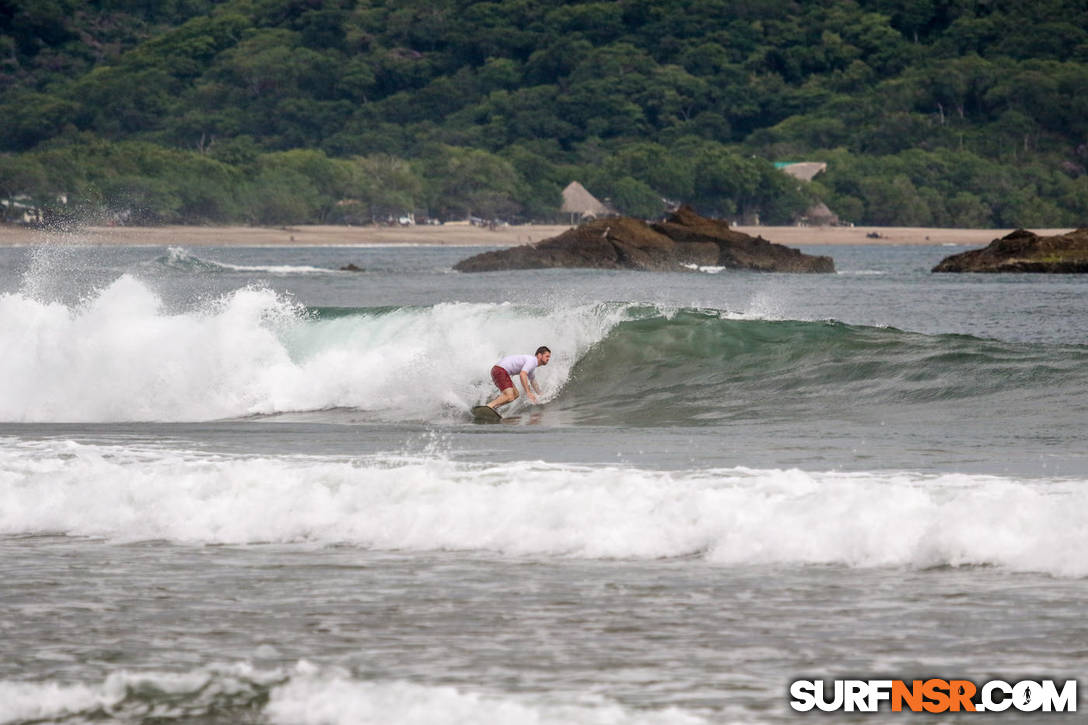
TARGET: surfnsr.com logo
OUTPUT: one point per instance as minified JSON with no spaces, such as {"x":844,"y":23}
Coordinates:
{"x":933,"y":696}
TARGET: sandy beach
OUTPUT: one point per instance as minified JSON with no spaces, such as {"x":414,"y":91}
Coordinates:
{"x":463,"y":235}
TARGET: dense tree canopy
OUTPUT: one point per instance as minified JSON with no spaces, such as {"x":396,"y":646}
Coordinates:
{"x":944,"y":112}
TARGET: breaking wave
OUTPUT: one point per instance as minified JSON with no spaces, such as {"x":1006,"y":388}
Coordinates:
{"x":298,"y":695}
{"x":120,"y":355}
{"x":729,"y":516}
{"x":182,"y":260}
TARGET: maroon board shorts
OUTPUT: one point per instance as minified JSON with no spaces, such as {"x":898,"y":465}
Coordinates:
{"x":501,"y":378}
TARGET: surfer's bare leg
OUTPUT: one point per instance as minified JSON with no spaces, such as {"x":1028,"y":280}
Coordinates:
{"x":508,"y":396}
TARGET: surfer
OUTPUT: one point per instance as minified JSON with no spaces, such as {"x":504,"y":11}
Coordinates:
{"x":524,"y":366}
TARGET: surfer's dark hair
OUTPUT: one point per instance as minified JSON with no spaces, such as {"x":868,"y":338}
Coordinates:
{"x":541,"y":350}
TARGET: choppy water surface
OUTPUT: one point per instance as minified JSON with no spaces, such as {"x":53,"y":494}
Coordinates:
{"x":240,"y":485}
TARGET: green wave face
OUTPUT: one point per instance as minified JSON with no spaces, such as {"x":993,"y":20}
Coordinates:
{"x":696,"y":367}
{"x":255,"y":353}
{"x":620,"y":364}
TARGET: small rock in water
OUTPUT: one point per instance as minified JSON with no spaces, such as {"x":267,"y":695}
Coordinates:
{"x":1024,"y":251}
{"x":683,"y":241}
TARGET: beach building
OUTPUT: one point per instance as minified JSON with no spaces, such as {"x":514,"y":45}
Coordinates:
{"x":819,"y":215}
{"x":21,"y":209}
{"x":581,"y":205}
{"x":803,"y":170}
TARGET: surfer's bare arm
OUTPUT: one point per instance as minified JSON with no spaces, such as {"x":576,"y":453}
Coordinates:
{"x":528,"y":389}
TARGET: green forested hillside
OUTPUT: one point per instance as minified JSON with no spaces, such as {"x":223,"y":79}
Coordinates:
{"x":942,"y":112}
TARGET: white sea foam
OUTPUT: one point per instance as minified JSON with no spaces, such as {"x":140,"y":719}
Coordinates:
{"x":727,"y":516}
{"x":330,"y":697}
{"x":121,"y":356}
{"x":22,"y":701}
{"x":185,"y":694}
{"x":306,"y":694}
{"x":707,"y":268}
{"x":180,"y":257}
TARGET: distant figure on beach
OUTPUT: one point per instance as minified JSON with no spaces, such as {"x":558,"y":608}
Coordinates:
{"x":524,"y":366}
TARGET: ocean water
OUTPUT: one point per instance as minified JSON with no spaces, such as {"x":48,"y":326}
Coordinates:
{"x":240,"y":485}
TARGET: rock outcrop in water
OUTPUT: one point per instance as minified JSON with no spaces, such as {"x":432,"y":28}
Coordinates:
{"x":684,"y":240}
{"x":1024,"y":251}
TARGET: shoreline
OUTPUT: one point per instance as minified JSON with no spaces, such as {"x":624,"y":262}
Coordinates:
{"x":463,"y":235}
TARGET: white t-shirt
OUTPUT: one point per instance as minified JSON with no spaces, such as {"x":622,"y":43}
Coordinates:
{"x":514,"y":364}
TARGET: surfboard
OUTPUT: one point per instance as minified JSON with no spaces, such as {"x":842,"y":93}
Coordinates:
{"x":484,"y":414}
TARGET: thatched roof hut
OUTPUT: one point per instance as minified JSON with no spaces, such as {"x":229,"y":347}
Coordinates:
{"x":803,"y":170}
{"x":581,"y":204}
{"x":819,"y":215}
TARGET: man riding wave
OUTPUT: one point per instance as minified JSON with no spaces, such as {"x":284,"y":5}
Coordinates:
{"x":524,"y":366}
